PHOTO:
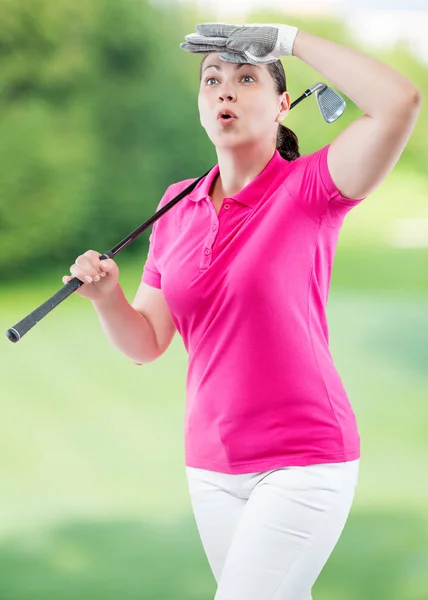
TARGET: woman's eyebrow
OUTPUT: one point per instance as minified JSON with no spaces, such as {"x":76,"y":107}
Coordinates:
{"x":238,"y":66}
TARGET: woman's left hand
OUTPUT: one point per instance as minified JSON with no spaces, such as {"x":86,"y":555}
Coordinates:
{"x":255,"y":43}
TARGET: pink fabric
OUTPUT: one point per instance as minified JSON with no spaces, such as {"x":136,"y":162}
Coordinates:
{"x":247,"y":291}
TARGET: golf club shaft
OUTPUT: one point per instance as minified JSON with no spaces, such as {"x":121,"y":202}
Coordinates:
{"x":305,"y":94}
{"x":16,"y":332}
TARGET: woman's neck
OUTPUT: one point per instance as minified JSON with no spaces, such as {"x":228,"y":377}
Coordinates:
{"x":238,"y":167}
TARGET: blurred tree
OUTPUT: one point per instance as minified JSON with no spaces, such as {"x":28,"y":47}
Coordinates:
{"x":94,"y":125}
{"x":98,"y":116}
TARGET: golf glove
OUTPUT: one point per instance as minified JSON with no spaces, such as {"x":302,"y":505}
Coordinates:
{"x":254,"y":43}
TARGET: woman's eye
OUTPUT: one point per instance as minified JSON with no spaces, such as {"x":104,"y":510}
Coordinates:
{"x":214,"y":79}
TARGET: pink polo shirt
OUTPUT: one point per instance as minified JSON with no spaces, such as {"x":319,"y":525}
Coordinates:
{"x":247,"y":290}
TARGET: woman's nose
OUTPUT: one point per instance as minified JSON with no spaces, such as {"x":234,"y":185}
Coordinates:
{"x":227,"y":93}
{"x":229,"y":96}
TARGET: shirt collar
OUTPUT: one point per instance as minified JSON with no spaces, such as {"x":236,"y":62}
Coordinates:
{"x":251,"y":193}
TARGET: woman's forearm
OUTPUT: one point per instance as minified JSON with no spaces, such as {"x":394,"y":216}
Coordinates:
{"x":126,"y":328}
{"x":375,"y":87}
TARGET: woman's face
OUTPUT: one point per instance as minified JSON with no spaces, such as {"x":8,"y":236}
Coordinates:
{"x":247,"y":90}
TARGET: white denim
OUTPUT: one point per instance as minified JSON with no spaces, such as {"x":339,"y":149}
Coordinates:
{"x":268,"y":535}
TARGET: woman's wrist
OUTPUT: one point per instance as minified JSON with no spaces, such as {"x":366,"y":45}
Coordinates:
{"x":294,"y":43}
{"x":108,"y":299}
{"x":286,"y":39}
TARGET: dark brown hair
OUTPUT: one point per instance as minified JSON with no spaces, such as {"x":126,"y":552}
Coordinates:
{"x":287,"y":142}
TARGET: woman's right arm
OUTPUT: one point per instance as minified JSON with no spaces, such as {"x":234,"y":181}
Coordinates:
{"x":126,"y":328}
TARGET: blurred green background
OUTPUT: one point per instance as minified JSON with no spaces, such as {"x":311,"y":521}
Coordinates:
{"x":98,"y":116}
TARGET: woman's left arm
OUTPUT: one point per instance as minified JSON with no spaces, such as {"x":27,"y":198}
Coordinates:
{"x":361,"y":156}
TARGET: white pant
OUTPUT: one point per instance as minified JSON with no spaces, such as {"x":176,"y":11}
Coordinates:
{"x":268,"y":535}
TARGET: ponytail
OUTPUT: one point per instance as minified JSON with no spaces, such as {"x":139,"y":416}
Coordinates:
{"x":287,"y":143}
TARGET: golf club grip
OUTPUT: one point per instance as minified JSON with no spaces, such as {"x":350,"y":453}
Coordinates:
{"x":16,"y":332}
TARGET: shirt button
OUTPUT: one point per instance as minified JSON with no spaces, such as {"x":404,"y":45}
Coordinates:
{"x":207,"y":251}
{"x":226,"y":206}
{"x":214,"y":227}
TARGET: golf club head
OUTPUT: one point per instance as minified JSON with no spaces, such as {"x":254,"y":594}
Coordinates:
{"x":331,"y":104}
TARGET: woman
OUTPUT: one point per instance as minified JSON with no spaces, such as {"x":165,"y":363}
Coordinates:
{"x":243,"y":264}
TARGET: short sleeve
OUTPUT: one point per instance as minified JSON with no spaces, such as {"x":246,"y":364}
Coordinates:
{"x":312,"y":186}
{"x":151,"y":274}
{"x":151,"y":271}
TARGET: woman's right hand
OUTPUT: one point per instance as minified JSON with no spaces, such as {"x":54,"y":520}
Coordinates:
{"x":103,"y":275}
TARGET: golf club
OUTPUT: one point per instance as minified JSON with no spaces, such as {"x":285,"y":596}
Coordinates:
{"x":331,"y":105}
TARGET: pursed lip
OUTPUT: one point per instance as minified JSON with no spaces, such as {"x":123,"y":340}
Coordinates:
{"x":226,"y":111}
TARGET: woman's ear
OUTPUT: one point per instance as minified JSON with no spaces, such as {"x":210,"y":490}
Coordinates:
{"x":285,"y":99}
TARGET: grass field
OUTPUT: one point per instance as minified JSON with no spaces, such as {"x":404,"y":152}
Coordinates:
{"x":93,"y":496}
{"x":94,"y":501}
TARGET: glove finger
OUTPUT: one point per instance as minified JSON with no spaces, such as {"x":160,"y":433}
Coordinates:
{"x":215,"y":29}
{"x":245,"y":57}
{"x":254,"y":60}
{"x":259,"y":41}
{"x":197,"y":48}
{"x":194,"y":38}
{"x":234,"y":57}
